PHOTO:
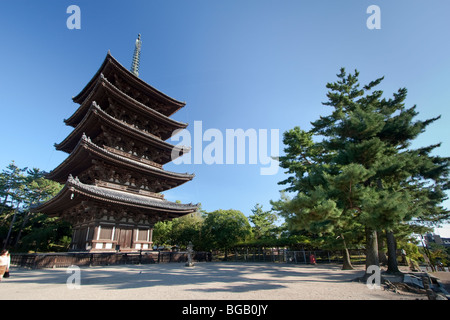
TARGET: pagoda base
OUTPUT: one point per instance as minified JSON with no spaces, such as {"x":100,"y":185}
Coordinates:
{"x":106,"y":235}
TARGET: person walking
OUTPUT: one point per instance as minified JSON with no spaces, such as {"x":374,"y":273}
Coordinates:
{"x":5,"y":261}
{"x":312,"y":259}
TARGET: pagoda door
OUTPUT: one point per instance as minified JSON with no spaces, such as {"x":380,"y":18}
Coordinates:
{"x":125,"y":238}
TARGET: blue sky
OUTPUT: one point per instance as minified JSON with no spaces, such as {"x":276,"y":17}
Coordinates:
{"x":237,"y":64}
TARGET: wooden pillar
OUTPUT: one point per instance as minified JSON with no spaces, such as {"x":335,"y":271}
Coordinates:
{"x":73,"y":244}
{"x":97,"y":232}
{"x":150,"y":234}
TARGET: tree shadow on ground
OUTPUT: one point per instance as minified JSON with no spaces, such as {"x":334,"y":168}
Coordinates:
{"x":203,"y":277}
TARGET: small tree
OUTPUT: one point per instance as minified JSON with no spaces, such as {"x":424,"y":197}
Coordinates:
{"x":181,"y":231}
{"x":222,"y":229}
{"x":162,"y":231}
{"x":188,"y":229}
{"x":264,"y":223}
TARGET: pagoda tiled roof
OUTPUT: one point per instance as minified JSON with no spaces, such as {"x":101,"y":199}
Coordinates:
{"x":91,"y":126}
{"x":110,"y":64}
{"x":81,"y":158}
{"x":103,"y":86}
{"x":75,"y":191}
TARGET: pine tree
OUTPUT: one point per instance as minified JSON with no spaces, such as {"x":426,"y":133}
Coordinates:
{"x":37,"y":189}
{"x":12,"y":190}
{"x":21,"y":188}
{"x":363,"y":173}
{"x":264,"y":223}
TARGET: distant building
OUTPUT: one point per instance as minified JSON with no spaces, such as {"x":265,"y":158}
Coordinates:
{"x":434,"y":238}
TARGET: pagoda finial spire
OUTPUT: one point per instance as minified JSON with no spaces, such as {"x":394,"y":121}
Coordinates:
{"x":136,"y":56}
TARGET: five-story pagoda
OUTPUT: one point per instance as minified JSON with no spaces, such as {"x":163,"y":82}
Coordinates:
{"x":114,"y":173}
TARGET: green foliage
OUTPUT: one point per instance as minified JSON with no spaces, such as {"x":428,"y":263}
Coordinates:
{"x":412,"y":251}
{"x":187,"y":229}
{"x":439,"y":254}
{"x":220,"y":229}
{"x":224,"y":228}
{"x":161,"y":233}
{"x":263,"y":223}
{"x":21,"y":188}
{"x":45,"y":234}
{"x":180,"y":231}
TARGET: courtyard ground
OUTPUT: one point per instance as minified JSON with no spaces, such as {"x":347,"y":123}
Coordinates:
{"x":215,"y":281}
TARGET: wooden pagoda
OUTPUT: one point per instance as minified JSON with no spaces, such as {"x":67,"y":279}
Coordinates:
{"x":114,"y":173}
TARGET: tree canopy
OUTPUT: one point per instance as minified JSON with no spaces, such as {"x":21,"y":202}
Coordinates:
{"x":21,"y":188}
{"x":263,"y":223}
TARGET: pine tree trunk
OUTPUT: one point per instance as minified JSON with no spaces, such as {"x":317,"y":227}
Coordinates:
{"x":392,"y":252}
{"x":11,"y":227}
{"x":371,"y":248}
{"x":4,"y":202}
{"x":347,"y":264}
{"x":25,"y":220}
{"x":382,"y":251}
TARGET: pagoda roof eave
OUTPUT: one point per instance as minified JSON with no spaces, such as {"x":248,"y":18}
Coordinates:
{"x":81,"y":158}
{"x":109,"y":59}
{"x":95,"y":115}
{"x":102,"y":83}
{"x":73,"y":189}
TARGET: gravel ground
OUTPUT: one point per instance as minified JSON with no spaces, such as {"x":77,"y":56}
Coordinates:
{"x":218,"y":281}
